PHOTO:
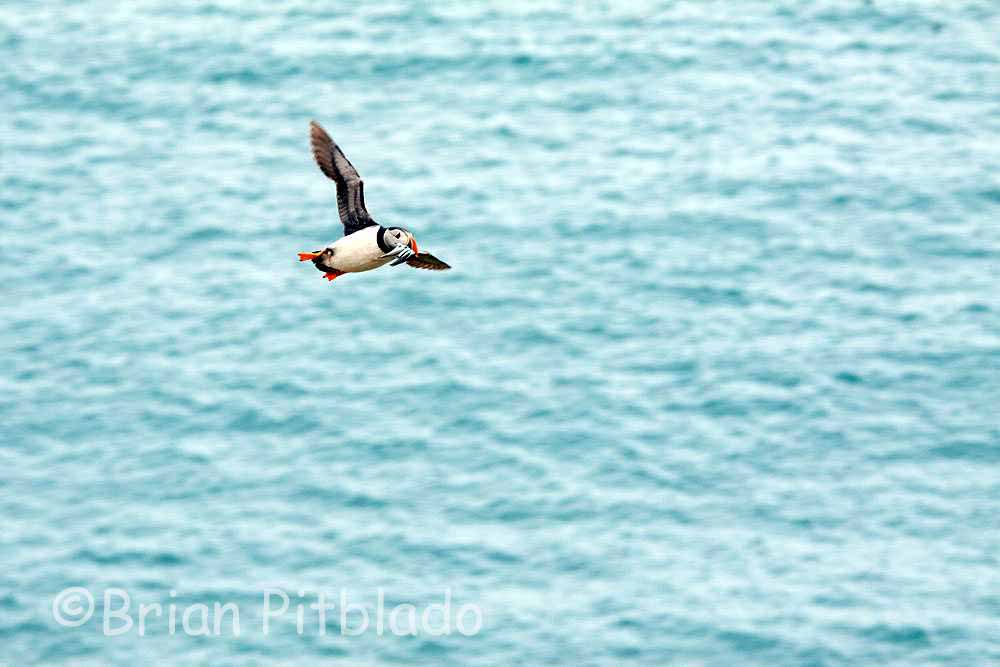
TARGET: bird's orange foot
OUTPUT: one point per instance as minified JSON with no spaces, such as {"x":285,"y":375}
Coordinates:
{"x":332,"y":274}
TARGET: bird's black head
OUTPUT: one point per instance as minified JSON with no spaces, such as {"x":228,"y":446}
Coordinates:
{"x":397,"y":236}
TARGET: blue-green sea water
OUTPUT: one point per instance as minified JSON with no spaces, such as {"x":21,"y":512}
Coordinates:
{"x":714,"y":380}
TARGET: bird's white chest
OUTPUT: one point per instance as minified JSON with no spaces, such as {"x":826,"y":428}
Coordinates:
{"x":358,"y":252}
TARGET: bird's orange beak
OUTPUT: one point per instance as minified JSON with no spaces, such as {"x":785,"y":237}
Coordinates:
{"x":413,"y":245}
{"x":306,"y":256}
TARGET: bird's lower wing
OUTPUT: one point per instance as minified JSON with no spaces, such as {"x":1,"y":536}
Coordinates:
{"x":425,"y":260}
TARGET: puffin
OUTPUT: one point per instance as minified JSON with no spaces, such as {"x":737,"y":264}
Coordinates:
{"x":366,"y":244}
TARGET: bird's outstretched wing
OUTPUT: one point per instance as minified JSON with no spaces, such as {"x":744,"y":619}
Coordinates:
{"x":350,"y":187}
{"x":425,"y":260}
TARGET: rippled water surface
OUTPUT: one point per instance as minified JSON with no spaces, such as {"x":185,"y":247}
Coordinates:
{"x":714,"y":380}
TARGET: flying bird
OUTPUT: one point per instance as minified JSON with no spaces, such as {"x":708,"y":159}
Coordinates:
{"x":366,"y":245}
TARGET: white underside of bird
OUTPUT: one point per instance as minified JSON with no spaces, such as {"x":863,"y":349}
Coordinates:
{"x":356,"y":252}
